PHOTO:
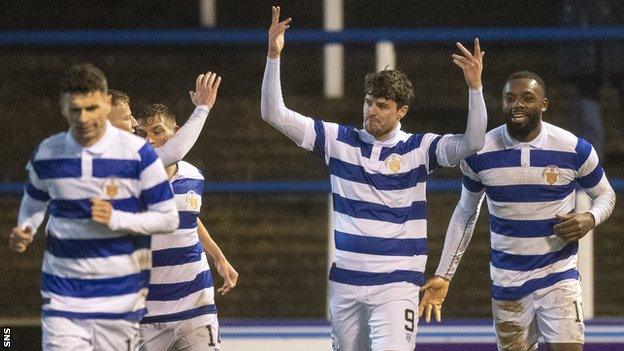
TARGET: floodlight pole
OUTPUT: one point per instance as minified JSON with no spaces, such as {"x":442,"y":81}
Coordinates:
{"x":333,"y":52}
{"x":208,"y":13}
{"x":586,"y":257}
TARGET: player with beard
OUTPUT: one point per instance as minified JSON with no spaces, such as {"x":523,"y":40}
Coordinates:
{"x":529,"y":170}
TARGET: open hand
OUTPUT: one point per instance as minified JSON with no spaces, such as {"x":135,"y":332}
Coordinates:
{"x":471,"y":64}
{"x":276,"y":33}
{"x":435,"y":290}
{"x":206,"y":88}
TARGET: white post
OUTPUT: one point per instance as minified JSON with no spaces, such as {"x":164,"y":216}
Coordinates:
{"x":386,"y":56}
{"x":333,"y":53}
{"x":208,"y":13}
{"x":586,"y":258}
{"x":330,"y":242}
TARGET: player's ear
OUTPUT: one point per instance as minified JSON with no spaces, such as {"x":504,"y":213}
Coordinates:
{"x":402,"y":111}
{"x":544,"y":105}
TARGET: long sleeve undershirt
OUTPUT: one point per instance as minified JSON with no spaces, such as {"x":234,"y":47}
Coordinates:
{"x":183,"y":140}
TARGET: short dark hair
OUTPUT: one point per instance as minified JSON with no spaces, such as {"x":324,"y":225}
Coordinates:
{"x":147,"y":114}
{"x":119,"y":97}
{"x":83,"y":78}
{"x":528,"y":75}
{"x":390,"y":84}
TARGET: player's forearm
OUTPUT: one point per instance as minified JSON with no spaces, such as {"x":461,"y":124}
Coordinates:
{"x":31,"y":213}
{"x":210,"y":246}
{"x":160,"y":219}
{"x":183,"y":140}
{"x":604,"y":200}
{"x":459,"y":232}
{"x":273,"y":110}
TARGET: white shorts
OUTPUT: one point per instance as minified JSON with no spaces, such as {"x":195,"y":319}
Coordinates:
{"x":555,"y":313}
{"x":59,"y":333}
{"x":197,"y":334}
{"x":377,"y":317}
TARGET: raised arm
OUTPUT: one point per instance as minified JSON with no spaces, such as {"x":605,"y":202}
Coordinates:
{"x":453,"y":148}
{"x":273,"y":110}
{"x":204,"y":98}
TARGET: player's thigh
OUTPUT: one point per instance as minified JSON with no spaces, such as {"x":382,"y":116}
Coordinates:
{"x":349,"y":318}
{"x":514,"y":324}
{"x":116,"y":335}
{"x":559,"y":313}
{"x":204,"y":338}
{"x":156,"y":336}
{"x":393,"y":316}
{"x":65,"y":334}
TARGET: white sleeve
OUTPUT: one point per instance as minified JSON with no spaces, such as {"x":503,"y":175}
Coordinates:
{"x":604,"y":200}
{"x":34,"y":202}
{"x":183,"y":140}
{"x":295,"y":126}
{"x":453,"y":148}
{"x":593,"y":179}
{"x":161,"y":215}
{"x":459,"y":232}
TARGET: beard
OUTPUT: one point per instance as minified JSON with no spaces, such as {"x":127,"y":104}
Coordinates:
{"x":521,"y":130}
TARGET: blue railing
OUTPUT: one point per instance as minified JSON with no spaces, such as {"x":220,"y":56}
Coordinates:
{"x":258,"y":36}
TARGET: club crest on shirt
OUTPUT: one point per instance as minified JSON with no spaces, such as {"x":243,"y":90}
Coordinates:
{"x":111,"y":188}
{"x":394,"y":162}
{"x":193,"y":200}
{"x":551,"y":174}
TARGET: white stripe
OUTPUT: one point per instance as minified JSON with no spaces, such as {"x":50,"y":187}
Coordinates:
{"x":590,"y":164}
{"x":194,"y":300}
{"x":526,"y":246}
{"x":365,"y":192}
{"x":409,"y":230}
{"x":179,"y":238}
{"x":508,"y":278}
{"x":180,"y":273}
{"x":97,"y":267}
{"x":530,"y":211}
{"x":110,"y":304}
{"x":78,"y":188}
{"x":378,"y":263}
{"x":66,"y":228}
{"x":151,"y":175}
{"x":523,"y":175}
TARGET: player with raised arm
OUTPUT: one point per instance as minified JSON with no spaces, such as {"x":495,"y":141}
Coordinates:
{"x":103,"y":189}
{"x":204,"y":97}
{"x":529,"y":171}
{"x":378,"y":176}
{"x":181,"y":311}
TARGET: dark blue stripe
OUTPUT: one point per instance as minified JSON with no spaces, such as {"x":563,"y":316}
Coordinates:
{"x":87,"y":248}
{"x":433,"y":158}
{"x":36,"y":193}
{"x":80,"y":209}
{"x":592,"y":179}
{"x":188,"y":219}
{"x":518,"y":292}
{"x":524,"y":263}
{"x":58,"y":168}
{"x":545,"y":158}
{"x":158,"y":193}
{"x":351,"y":136}
{"x":358,"y":174}
{"x":402,"y":147}
{"x":183,"y":186}
{"x":529,"y":192}
{"x":494,"y":159}
{"x":105,"y":167}
{"x":130,"y":316}
{"x":177,"y":256}
{"x":148,"y":156}
{"x":368,"y":210}
{"x":346,"y":276}
{"x":176,"y":291}
{"x":472,"y":185}
{"x":583,"y":150}
{"x":319,"y":141}
{"x":181,"y":316}
{"x":86,"y":288}
{"x":522,"y":228}
{"x":380,"y":246}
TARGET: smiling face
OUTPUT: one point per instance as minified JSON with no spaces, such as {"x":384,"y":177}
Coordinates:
{"x":156,"y":130}
{"x":381,"y":115}
{"x":523,"y":105}
{"x":86,"y":114}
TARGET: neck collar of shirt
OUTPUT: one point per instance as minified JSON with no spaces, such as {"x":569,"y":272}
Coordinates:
{"x":98,"y":148}
{"x":391,"y":139}
{"x":537,"y":143}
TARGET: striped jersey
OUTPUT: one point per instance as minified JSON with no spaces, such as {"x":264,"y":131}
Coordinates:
{"x":379,"y":203}
{"x":526,"y":185}
{"x":181,"y":286}
{"x":89,"y":270}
